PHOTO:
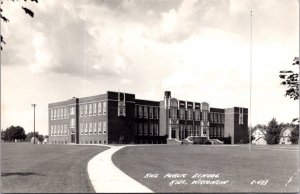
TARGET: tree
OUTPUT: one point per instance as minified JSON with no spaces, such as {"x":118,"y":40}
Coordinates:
{"x":13,"y":133}
{"x":295,"y":135}
{"x":30,"y":135}
{"x":273,"y":132}
{"x":5,"y":19}
{"x":291,"y":81}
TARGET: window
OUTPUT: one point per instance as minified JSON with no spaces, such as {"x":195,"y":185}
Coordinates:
{"x":99,"y":108}
{"x":222,"y":132}
{"x":205,"y":115}
{"x":151,"y":129}
{"x":81,"y":110}
{"x":72,"y":122}
{"x":65,"y":113}
{"x":211,"y":117}
{"x":90,"y":109}
{"x":51,"y":114}
{"x":104,"y":127}
{"x":156,"y":129}
{"x":81,"y":128}
{"x":140,"y":128}
{"x":182,"y":113}
{"x":197,"y":115}
{"x":55,"y":130}
{"x":189,"y":130}
{"x":145,"y":129}
{"x":91,"y":128}
{"x":121,"y":108}
{"x":140,"y":111}
{"x":72,"y":110}
{"x":95,"y":109}
{"x":52,"y":131}
{"x":173,"y":113}
{"x":66,"y":129}
{"x":181,"y":132}
{"x":58,"y":114}
{"x":99,"y":127}
{"x":156,"y":112}
{"x":58,"y":130}
{"x":151,"y":112}
{"x":197,"y":127}
{"x":95,"y":127}
{"x":145,"y":112}
{"x":135,"y":110}
{"x":85,"y":110}
{"x":104,"y":108}
{"x":86,"y":129}
{"x":241,"y":119}
{"x":189,"y":114}
{"x":61,"y":113}
{"x":215,"y":117}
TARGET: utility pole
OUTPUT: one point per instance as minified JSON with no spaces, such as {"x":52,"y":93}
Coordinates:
{"x":250,"y":116}
{"x":33,"y":105}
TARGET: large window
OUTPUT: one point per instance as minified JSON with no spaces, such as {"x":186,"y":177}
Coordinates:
{"x":51,"y":114}
{"x":99,"y":108}
{"x":104,"y":127}
{"x":72,"y":122}
{"x":156,"y":112}
{"x":197,"y":115}
{"x":66,"y":129}
{"x":62,"y":113}
{"x":173,"y":113}
{"x":85,"y":110}
{"x":58,"y":130}
{"x":189,"y":130}
{"x":197,"y":130}
{"x":155,"y":129}
{"x":151,"y":112}
{"x":104,"y":108}
{"x":140,"y":128}
{"x":151,"y":129}
{"x":99,"y":127}
{"x":90,"y":128}
{"x":52,"y":131}
{"x":72,"y":110}
{"x":182,"y":113}
{"x":81,"y":128}
{"x":241,"y":118}
{"x":140,"y":111}
{"x":145,"y":129}
{"x":90,"y":109}
{"x":58,"y":114}
{"x":95,"y":109}
{"x":67,"y":113}
{"x":145,"y":111}
{"x":205,"y":115}
{"x":95,"y":127}
{"x":86,"y":129}
{"x":189,"y":114}
{"x":81,"y":110}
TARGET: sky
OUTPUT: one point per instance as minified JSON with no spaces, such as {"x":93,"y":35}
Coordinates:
{"x":199,"y":50}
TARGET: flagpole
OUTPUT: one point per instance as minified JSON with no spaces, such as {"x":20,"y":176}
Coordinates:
{"x":250,"y":116}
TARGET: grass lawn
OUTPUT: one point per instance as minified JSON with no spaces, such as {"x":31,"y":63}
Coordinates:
{"x":278,"y":165}
{"x":46,"y":168}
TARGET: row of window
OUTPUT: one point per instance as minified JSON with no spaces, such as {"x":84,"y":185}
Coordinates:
{"x":187,"y":131}
{"x":92,"y":109}
{"x":241,"y":116}
{"x":93,"y":128}
{"x":183,"y":114}
{"x":142,"y":111}
{"x":61,"y":113}
{"x":216,"y":132}
{"x":59,"y":130}
{"x":145,"y":129}
{"x":217,"y":117}
{"x":81,"y":142}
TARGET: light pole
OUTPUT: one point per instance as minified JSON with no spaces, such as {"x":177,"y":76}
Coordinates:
{"x":34,"y":105}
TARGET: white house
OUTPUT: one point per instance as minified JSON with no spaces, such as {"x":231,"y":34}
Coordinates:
{"x":285,"y":136}
{"x":259,"y":136}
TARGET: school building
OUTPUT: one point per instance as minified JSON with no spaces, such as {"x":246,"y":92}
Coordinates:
{"x":116,"y":117}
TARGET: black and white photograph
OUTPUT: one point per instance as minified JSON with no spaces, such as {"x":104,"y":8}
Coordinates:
{"x":150,"y":96}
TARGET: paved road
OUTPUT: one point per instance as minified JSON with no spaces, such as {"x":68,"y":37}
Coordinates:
{"x":107,"y":178}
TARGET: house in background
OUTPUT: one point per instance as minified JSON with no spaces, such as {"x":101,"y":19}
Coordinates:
{"x":259,"y":136}
{"x":285,"y":135}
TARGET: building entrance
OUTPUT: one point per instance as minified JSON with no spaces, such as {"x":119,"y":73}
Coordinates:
{"x":173,"y":135}
{"x":73,"y":138}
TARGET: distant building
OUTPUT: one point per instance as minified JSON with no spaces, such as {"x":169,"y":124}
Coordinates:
{"x":259,"y":135}
{"x":285,"y":135}
{"x":116,"y":117}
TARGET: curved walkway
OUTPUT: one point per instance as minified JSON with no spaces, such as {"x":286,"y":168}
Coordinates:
{"x":107,"y":178}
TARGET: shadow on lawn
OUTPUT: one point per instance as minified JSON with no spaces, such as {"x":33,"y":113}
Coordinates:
{"x":20,"y":174}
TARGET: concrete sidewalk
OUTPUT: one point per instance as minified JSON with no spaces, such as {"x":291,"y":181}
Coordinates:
{"x":107,"y":178}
